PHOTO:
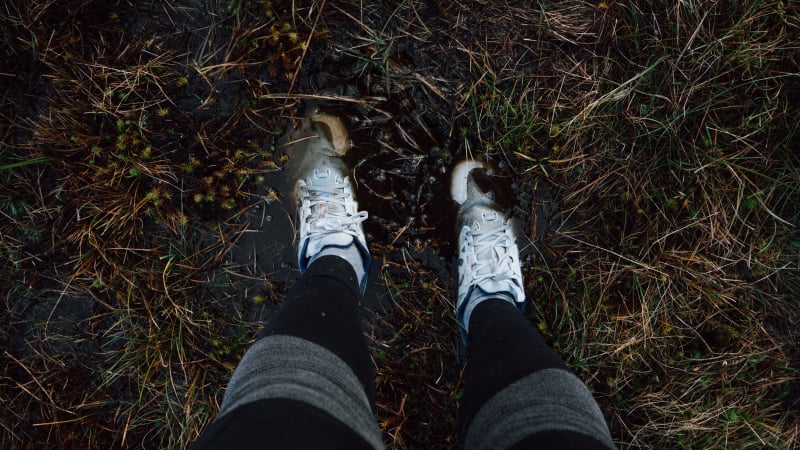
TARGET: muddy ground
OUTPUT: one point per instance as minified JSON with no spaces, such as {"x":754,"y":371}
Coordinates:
{"x":421,"y":85}
{"x":394,"y":82}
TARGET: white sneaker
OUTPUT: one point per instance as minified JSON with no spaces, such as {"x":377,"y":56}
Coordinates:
{"x":488,"y":264}
{"x":328,"y":216}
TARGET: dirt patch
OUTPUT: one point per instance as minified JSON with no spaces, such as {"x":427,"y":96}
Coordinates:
{"x":146,"y":231}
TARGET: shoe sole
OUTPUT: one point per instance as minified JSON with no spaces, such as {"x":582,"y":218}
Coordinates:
{"x":334,"y":130}
{"x":321,"y":140}
{"x":458,"y":181}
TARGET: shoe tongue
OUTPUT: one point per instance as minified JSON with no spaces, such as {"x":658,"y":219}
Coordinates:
{"x":327,"y":208}
{"x":489,"y":253}
{"x":487,"y":222}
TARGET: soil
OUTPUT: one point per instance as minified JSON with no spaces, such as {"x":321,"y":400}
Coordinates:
{"x":398,"y":95}
{"x":421,"y":86}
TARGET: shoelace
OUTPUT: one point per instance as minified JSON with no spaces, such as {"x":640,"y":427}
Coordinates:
{"x":328,"y":209}
{"x":492,"y":255}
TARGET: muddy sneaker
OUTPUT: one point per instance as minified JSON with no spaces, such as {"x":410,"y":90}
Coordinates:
{"x":328,"y":216}
{"x":488,"y":256}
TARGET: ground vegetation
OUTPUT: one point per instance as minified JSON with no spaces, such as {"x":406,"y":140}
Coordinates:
{"x":650,"y":149}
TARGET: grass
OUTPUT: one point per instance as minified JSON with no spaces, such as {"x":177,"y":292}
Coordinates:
{"x":138,"y":139}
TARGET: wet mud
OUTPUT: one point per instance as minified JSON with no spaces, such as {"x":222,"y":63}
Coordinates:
{"x":398,"y":101}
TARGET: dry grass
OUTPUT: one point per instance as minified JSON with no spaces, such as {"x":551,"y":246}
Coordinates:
{"x":136,"y":139}
{"x":670,"y":142}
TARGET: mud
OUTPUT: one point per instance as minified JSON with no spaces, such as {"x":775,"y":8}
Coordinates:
{"x":396,"y":95}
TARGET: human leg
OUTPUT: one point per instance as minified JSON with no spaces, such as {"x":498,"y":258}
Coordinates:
{"x":307,"y":381}
{"x":518,"y":393}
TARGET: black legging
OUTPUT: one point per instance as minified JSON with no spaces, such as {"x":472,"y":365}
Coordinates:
{"x":323,"y":307}
{"x":503,"y":347}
